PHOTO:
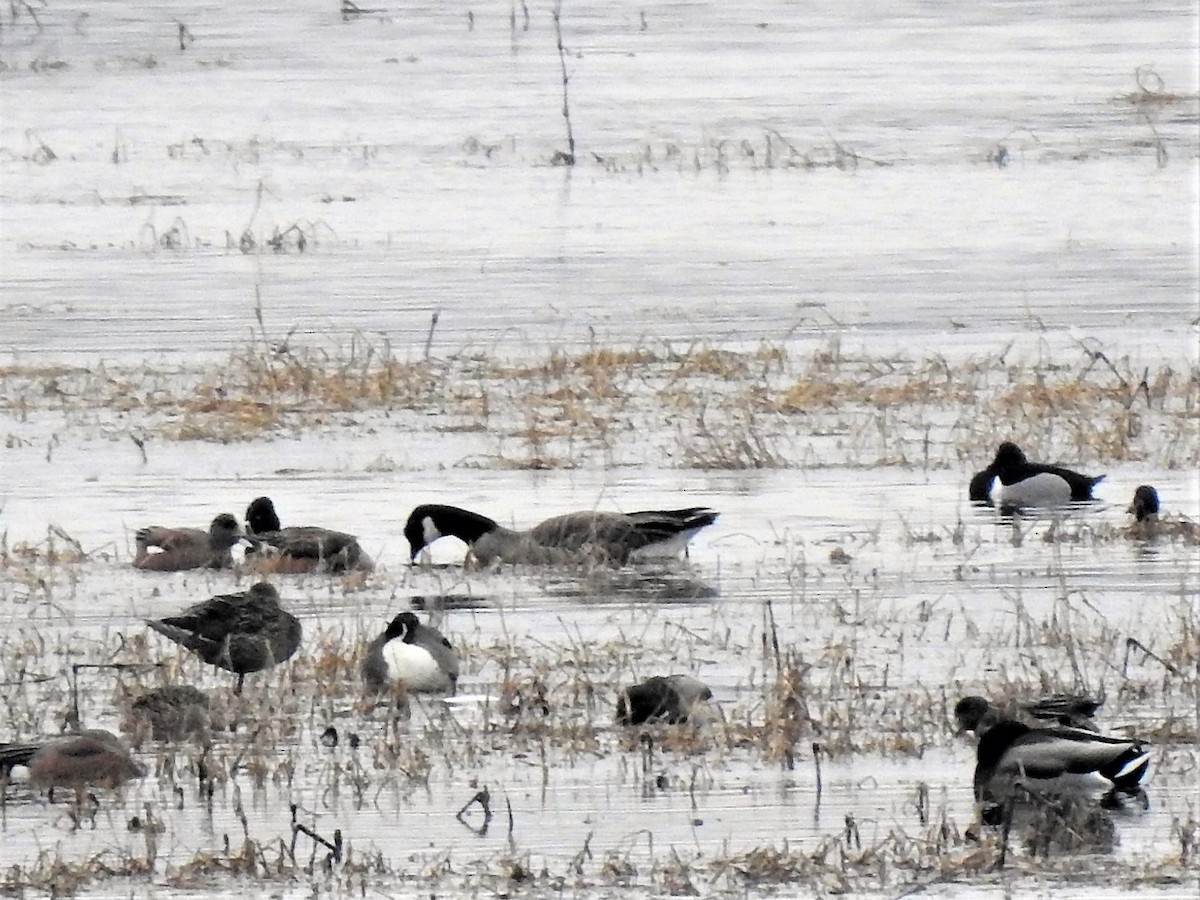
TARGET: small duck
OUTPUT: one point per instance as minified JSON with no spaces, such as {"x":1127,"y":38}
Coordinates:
{"x":301,"y":548}
{"x":979,"y":491}
{"x":1026,"y":484}
{"x":671,"y":699}
{"x":1145,"y":504}
{"x":163,"y":549}
{"x":168,"y":713}
{"x":409,"y":653}
{"x":976,"y":713}
{"x":571,"y":538}
{"x":243,"y":632}
{"x":92,"y":758}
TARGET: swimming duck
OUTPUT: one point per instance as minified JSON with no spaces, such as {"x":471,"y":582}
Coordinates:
{"x":671,"y":699}
{"x":163,"y":549}
{"x":410,"y":653}
{"x":1024,"y":483}
{"x":1010,"y":752}
{"x":301,"y":548}
{"x":1145,"y":504}
{"x":243,"y":632}
{"x":574,"y":537}
{"x":1072,"y":710}
{"x":92,"y":758}
{"x":980,"y":489}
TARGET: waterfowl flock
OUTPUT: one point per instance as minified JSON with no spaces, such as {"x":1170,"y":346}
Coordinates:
{"x":1022,"y":748}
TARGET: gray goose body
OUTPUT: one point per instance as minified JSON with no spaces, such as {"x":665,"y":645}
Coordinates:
{"x":243,"y":632}
{"x":577,"y":537}
{"x":163,"y":549}
{"x":410,"y":653}
{"x":301,"y":548}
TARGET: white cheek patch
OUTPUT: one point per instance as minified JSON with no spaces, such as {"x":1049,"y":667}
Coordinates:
{"x":429,"y":530}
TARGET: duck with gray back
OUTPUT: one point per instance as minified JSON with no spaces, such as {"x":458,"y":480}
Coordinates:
{"x":162,"y":549}
{"x":300,"y":548}
{"x":1012,"y":753}
{"x":578,"y":537}
{"x":1025,"y":484}
{"x":242,"y":633}
{"x":411,"y":654}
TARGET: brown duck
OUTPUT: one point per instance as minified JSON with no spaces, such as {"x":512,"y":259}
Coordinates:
{"x":243,"y":632}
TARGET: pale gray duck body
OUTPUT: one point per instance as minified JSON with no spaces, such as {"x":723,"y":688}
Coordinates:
{"x":1012,"y":752}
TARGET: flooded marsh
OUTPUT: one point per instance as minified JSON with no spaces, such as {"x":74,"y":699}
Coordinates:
{"x":809,"y":268}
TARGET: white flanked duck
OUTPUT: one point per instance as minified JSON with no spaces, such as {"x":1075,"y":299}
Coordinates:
{"x":411,"y":654}
{"x":605,"y":537}
{"x":1026,"y":484}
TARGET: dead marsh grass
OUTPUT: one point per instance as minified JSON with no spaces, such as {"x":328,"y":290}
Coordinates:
{"x":692,"y":407}
{"x":797,"y":705}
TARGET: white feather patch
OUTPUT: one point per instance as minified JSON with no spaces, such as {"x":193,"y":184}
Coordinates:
{"x":430,"y":530}
{"x":672,"y":546}
{"x":414,"y":666}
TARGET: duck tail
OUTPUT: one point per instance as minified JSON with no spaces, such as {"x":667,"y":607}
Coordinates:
{"x":693,"y":517}
{"x":1128,"y":769}
{"x":16,"y":755}
{"x":183,"y":637}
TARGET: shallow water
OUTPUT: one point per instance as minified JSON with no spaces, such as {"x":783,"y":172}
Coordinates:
{"x":936,"y":180}
{"x":368,"y":147}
